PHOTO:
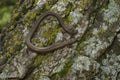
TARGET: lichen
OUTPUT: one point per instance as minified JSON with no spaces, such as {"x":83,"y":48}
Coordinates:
{"x":83,"y":63}
{"x":59,"y":37}
{"x":99,"y":40}
{"x":112,"y":13}
{"x":76,"y":16}
{"x":110,"y":67}
{"x":40,"y":3}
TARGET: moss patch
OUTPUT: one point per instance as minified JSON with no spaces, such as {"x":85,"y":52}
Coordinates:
{"x":64,"y":71}
{"x":50,"y":33}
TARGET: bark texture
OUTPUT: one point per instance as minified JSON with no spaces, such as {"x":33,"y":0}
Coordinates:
{"x":95,"y":56}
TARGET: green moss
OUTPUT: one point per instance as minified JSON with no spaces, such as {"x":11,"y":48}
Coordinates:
{"x":31,"y":15}
{"x":38,"y":42}
{"x":102,"y":31}
{"x":35,"y":2}
{"x":80,"y":46}
{"x":16,"y":16}
{"x":63,"y":0}
{"x":8,"y":55}
{"x":36,"y":77}
{"x":27,"y":24}
{"x":50,"y":33}
{"x":85,"y":3}
{"x":39,"y":59}
{"x":11,"y":27}
{"x":55,"y":9}
{"x":37,"y":62}
{"x":70,"y":8}
{"x":16,"y":40}
{"x":67,"y":20}
{"x":106,"y":79}
{"x":13,"y":44}
{"x":48,"y":6}
{"x":10,"y":51}
{"x":63,"y":72}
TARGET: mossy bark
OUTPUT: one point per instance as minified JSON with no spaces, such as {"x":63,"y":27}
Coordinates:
{"x":96,"y":54}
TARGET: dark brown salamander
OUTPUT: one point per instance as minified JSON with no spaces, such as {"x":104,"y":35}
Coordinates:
{"x":54,"y":46}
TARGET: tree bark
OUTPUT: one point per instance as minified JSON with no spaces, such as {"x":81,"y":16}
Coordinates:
{"x":94,"y":56}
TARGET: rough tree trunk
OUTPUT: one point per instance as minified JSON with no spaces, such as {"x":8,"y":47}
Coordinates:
{"x":95,"y":56}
